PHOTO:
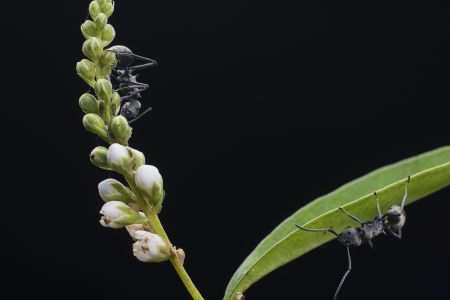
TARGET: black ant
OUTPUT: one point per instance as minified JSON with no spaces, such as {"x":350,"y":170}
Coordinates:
{"x":125,"y":76}
{"x":392,"y":222}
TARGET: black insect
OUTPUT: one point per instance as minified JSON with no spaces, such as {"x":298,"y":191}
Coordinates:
{"x":392,"y":222}
{"x":125,"y":74}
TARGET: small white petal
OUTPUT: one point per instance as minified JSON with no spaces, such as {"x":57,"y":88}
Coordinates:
{"x":133,"y":228}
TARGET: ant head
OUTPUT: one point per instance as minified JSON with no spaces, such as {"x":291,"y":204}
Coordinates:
{"x":350,"y":237}
{"x":123,"y":55}
{"x":130,"y":109}
{"x":394,"y":210}
{"x":395,"y":217}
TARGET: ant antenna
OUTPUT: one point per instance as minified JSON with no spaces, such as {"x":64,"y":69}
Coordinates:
{"x":349,"y":268}
{"x":406,"y":192}
{"x":140,"y":116}
{"x":378,"y":204}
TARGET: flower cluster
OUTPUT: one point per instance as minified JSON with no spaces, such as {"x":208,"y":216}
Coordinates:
{"x":125,"y":207}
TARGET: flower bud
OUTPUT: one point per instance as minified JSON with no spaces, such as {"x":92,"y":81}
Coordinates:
{"x":137,"y":158}
{"x":94,"y":9}
{"x":88,"y":104}
{"x":100,"y":21}
{"x":150,"y":183}
{"x":120,"y":129}
{"x":88,"y":29}
{"x":86,"y":70}
{"x":119,"y":158}
{"x":150,"y":247}
{"x":95,"y":124}
{"x":93,"y":48}
{"x":115,"y":104}
{"x":108,"y":35}
{"x":133,"y":228}
{"x":117,"y":214}
{"x":103,"y":89}
{"x":107,"y":7}
{"x":98,"y":158}
{"x":112,"y":190}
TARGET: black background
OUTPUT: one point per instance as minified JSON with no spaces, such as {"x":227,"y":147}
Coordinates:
{"x":258,"y":108}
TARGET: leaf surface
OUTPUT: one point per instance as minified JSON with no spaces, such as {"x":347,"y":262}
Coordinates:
{"x":429,"y":172}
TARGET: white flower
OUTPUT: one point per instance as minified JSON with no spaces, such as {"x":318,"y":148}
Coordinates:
{"x":112,"y":190}
{"x":133,"y":228}
{"x":150,"y":247}
{"x":118,"y":157}
{"x":117,"y":214}
{"x":150,"y":182}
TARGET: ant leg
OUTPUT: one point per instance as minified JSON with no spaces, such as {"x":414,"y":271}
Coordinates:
{"x":317,"y":229}
{"x":140,"y":116}
{"x":394,"y":234}
{"x":406,"y":192}
{"x":350,"y":215}
{"x":378,"y":205}
{"x":349,"y":268}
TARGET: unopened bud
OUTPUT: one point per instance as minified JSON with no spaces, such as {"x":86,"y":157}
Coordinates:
{"x":150,"y":183}
{"x":117,"y":214}
{"x":137,"y":158}
{"x":95,"y":124}
{"x":113,"y":190}
{"x":119,"y":158}
{"x":88,"y":104}
{"x":93,"y":48}
{"x":103,"y":89}
{"x":108,"y":35}
{"x":150,"y":247}
{"x":86,"y":70}
{"x":88,"y":29}
{"x":98,"y":158}
{"x":120,"y":129}
{"x":107,"y":7}
{"x":100,"y":21}
{"x":115,"y":104}
{"x":94,"y":9}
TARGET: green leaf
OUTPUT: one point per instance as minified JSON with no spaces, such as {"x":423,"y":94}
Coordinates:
{"x":429,"y":172}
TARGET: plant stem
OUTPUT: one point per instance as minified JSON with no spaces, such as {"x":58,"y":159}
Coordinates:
{"x":155,"y":223}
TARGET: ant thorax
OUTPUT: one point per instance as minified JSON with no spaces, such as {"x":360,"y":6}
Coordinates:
{"x":372,"y":229}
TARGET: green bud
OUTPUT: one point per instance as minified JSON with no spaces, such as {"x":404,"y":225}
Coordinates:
{"x":112,"y":190}
{"x":100,"y":21}
{"x":107,"y":60}
{"x":94,"y":9}
{"x":115,"y":104}
{"x":98,"y":158}
{"x":107,"y":7}
{"x":137,"y":158}
{"x":120,"y":130}
{"x":93,"y":48}
{"x":108,"y":35}
{"x":95,"y":124}
{"x":88,"y":29}
{"x":86,"y":70}
{"x":89,"y":104}
{"x":103,"y":89}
